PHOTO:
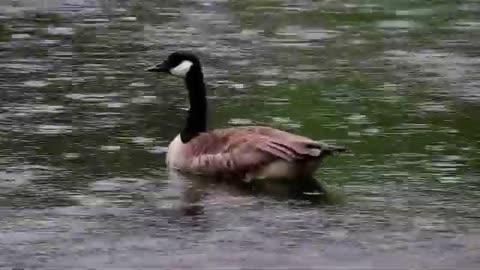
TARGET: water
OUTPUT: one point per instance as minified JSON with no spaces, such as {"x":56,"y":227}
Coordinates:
{"x":83,"y":132}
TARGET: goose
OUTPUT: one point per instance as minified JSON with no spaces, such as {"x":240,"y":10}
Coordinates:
{"x":245,"y":153}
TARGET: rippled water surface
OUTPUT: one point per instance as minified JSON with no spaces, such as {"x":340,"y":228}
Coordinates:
{"x":83,"y":132}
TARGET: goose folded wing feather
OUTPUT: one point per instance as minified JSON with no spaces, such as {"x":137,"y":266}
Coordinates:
{"x":212,"y":153}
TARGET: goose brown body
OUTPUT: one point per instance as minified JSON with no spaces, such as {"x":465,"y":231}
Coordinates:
{"x":248,"y":153}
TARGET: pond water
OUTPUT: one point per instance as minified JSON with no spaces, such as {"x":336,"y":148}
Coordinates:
{"x":83,"y":132}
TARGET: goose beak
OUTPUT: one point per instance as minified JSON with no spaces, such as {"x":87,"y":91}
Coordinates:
{"x":158,"y":68}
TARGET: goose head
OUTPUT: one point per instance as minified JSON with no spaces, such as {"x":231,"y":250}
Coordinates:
{"x":178,"y":64}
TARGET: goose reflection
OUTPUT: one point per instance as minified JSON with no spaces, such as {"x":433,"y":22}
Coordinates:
{"x":196,"y":190}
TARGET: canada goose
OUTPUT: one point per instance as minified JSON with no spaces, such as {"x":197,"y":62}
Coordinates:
{"x":246,"y":153}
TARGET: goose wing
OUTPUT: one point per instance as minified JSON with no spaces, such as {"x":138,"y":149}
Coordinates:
{"x":239,"y":150}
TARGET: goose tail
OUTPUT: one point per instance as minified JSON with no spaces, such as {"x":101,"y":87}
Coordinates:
{"x":333,"y":149}
{"x":330,"y":149}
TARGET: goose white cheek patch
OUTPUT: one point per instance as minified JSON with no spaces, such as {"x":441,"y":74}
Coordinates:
{"x":182,"y":69}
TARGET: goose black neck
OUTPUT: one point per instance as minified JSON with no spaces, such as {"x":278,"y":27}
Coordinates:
{"x":197,"y":114}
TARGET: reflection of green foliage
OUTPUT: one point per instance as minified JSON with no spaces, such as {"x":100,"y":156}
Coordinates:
{"x":47,"y":18}
{"x":358,"y":16}
{"x":147,"y":11}
{"x":323,"y":107}
{"x":269,"y":13}
{"x":4,"y":34}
